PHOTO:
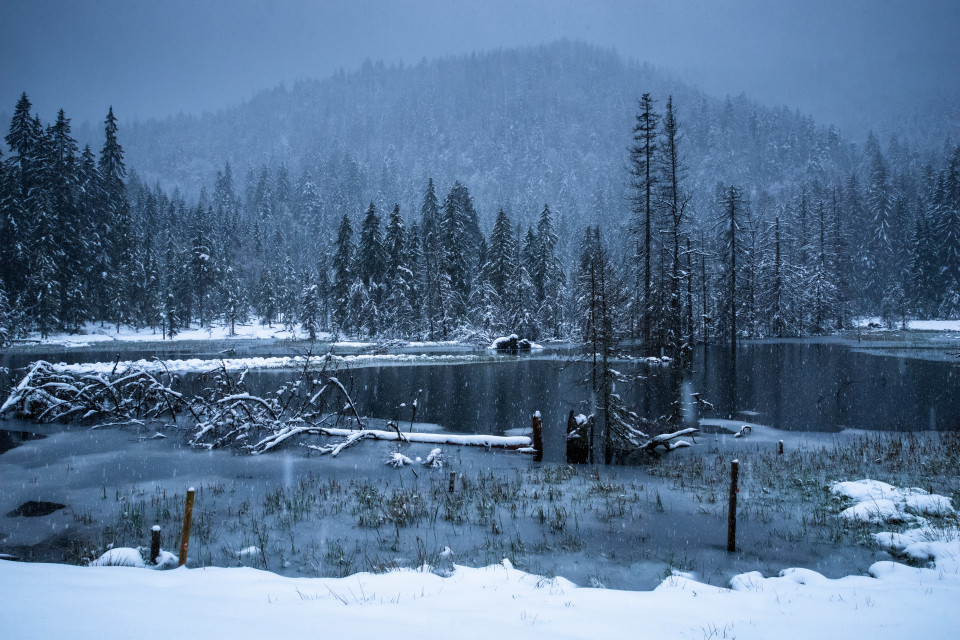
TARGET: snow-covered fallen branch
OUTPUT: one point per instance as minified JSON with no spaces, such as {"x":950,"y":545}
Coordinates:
{"x":46,"y":394}
{"x":663,"y":440}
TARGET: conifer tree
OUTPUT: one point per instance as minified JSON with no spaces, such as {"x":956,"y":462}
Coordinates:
{"x":455,"y":269}
{"x":732,"y":211}
{"x":370,"y":251}
{"x":431,"y":248}
{"x":343,"y":275}
{"x":948,"y":230}
{"x":202,"y":273}
{"x":8,"y":328}
{"x":880,"y":242}
{"x":643,"y":172}
{"x":414,"y":263}
{"x":310,"y":309}
{"x":397,"y":311}
{"x":674,"y":209}
{"x":822,"y":285}
{"x":547,"y":274}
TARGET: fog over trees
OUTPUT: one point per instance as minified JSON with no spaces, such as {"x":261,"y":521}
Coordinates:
{"x":476,"y":196}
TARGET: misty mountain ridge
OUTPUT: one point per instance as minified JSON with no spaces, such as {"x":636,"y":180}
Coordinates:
{"x":520,"y":127}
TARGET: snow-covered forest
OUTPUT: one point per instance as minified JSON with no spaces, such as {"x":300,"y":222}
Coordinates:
{"x":543,"y":191}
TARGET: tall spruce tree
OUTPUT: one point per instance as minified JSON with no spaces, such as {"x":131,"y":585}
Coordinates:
{"x":643,"y":172}
{"x":547,"y":275}
{"x":432,"y":249}
{"x":343,"y":275}
{"x":732,"y":209}
{"x":673,"y":202}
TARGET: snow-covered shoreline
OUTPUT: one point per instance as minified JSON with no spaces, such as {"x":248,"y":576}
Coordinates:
{"x":201,"y":365}
{"x":95,"y":335}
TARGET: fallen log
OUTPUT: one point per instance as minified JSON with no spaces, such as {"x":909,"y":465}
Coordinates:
{"x":664,"y":440}
{"x":516,"y":443}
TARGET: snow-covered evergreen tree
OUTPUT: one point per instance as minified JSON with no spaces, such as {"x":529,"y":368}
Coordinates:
{"x":310,"y":309}
{"x":343,"y":275}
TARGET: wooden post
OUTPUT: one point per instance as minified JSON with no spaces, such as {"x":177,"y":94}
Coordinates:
{"x":732,"y":508}
{"x":185,"y":537}
{"x":780,"y":448}
{"x":453,"y":477}
{"x":155,"y":543}
{"x":537,"y":437}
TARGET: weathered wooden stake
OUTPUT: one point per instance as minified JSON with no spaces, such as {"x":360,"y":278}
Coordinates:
{"x":185,"y":537}
{"x":780,"y":448}
{"x":453,"y":477}
{"x":732,"y":508}
{"x":537,"y":437}
{"x":155,"y":543}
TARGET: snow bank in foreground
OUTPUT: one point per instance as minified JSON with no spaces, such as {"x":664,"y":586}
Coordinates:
{"x":496,"y":601}
{"x":279,"y":362}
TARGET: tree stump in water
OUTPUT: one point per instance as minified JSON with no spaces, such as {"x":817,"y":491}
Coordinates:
{"x":578,"y":442}
{"x":537,"y":437}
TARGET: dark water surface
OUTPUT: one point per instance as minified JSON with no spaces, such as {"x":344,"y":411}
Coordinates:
{"x":791,"y":386}
{"x":800,"y":385}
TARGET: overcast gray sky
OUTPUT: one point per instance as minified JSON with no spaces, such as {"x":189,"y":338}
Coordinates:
{"x":833,"y":58}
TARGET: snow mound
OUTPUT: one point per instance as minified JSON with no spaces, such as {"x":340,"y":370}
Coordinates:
{"x":513,"y":343}
{"x":119,"y":557}
{"x":397,"y":460}
{"x":434,"y":459}
{"x":878,"y":502}
{"x":166,"y":560}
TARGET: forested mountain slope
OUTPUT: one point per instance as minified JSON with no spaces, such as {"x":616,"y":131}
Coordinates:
{"x":520,"y":127}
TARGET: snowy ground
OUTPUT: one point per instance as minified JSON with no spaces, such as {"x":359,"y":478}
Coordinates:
{"x":915,"y":325}
{"x":893,"y":601}
{"x":94,"y":334}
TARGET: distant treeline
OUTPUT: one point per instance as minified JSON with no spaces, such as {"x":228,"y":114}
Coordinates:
{"x":81,"y":241}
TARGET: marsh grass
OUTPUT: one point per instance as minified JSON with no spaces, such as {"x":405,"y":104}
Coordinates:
{"x":539,"y":515}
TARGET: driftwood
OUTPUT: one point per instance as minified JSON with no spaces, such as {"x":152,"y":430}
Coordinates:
{"x":580,"y":435}
{"x":663,"y":440}
{"x":46,"y":395}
